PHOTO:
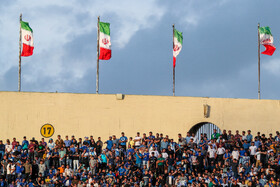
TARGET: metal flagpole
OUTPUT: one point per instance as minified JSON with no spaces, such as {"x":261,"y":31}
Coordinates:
{"x":259,"y":65}
{"x":173,"y":64}
{"x":19,"y":63}
{"x":97,"y":66}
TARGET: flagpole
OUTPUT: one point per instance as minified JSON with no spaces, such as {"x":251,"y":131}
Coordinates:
{"x":97,"y":66}
{"x":19,"y":63}
{"x":259,"y":65}
{"x":173,"y":26}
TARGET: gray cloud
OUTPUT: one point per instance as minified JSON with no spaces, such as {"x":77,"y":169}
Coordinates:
{"x":219,"y":56}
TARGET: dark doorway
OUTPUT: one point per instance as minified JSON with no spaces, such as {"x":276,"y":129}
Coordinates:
{"x":204,"y":127}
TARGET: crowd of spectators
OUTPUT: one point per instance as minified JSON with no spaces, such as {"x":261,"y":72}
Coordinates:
{"x":224,"y":159}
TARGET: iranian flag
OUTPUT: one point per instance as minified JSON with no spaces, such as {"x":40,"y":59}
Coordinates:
{"x":27,"y":39}
{"x":266,"y":39}
{"x":177,"y":45}
{"x":104,"y":41}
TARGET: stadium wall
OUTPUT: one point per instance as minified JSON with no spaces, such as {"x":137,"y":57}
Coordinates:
{"x":23,"y":113}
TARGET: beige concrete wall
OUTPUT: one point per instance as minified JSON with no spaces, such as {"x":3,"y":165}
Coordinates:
{"x":103,"y":115}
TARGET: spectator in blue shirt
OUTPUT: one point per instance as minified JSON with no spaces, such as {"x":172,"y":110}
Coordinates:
{"x":249,"y":136}
{"x":19,"y":169}
{"x":151,"y":136}
{"x":25,"y":143}
{"x":67,"y":142}
{"x":188,"y":138}
{"x":2,"y":150}
{"x":138,"y":157}
{"x":121,"y":170}
{"x":130,"y":150}
{"x":109,"y":143}
{"x":123,"y":140}
{"x":164,"y":144}
{"x":246,"y":145}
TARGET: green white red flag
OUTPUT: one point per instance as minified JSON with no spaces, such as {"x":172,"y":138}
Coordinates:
{"x":177,"y":45}
{"x":266,"y":39}
{"x":105,"y":52}
{"x":27,"y":39}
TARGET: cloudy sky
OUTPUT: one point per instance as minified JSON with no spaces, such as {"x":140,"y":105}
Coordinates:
{"x":218,"y":59}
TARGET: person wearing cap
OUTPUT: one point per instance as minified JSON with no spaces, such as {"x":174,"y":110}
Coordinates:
{"x":51,"y":144}
{"x":86,"y":141}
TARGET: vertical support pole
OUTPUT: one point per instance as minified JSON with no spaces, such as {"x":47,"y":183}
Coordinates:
{"x":97,"y":65}
{"x":19,"y":62}
{"x":259,"y":65}
{"x":173,"y":81}
{"x":173,"y":26}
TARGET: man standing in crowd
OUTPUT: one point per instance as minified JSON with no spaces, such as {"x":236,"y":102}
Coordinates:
{"x":215,"y":135}
{"x":123,"y":140}
{"x":59,"y":142}
{"x":137,"y":140}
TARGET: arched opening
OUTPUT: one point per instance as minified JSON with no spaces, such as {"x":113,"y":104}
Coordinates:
{"x":204,"y":127}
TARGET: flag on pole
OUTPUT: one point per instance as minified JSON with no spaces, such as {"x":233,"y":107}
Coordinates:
{"x":266,"y":39}
{"x":177,"y":45}
{"x":27,"y":39}
{"x":104,"y":41}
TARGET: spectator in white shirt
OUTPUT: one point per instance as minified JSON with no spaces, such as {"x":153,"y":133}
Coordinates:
{"x":253,"y":151}
{"x":137,"y":140}
{"x":68,"y":171}
{"x":220,"y":153}
{"x":211,"y":154}
{"x":164,"y":154}
{"x":235,"y":154}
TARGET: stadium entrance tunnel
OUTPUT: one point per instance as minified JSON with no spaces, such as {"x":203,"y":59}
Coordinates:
{"x":204,"y":127}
